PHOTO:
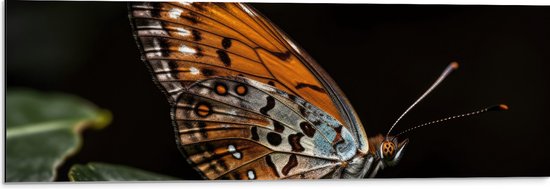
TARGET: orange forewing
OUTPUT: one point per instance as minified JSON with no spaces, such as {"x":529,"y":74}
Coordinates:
{"x":254,"y":48}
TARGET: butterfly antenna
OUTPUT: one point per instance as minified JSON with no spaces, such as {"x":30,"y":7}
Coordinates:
{"x":500,"y":107}
{"x":452,"y":66}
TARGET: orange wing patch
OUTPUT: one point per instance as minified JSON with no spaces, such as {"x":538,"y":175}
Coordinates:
{"x":187,"y":42}
{"x":293,"y":73}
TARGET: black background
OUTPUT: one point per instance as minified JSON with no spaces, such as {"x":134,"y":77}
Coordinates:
{"x":382,"y":56}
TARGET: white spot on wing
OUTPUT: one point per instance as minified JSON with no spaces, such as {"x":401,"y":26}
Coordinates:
{"x":187,"y":50}
{"x":231,"y":148}
{"x":175,"y":13}
{"x":184,"y":3}
{"x":237,"y":155}
{"x":194,"y":70}
{"x":183,"y":32}
{"x":251,"y":175}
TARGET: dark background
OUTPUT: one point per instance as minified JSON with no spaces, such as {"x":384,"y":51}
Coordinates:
{"x":382,"y":56}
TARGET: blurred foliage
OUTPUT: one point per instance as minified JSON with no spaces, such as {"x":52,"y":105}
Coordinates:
{"x":42,"y":130}
{"x":109,"y":172}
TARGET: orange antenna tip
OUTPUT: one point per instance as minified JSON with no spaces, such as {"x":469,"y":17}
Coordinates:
{"x":454,"y":65}
{"x":503,"y":107}
{"x":500,"y":107}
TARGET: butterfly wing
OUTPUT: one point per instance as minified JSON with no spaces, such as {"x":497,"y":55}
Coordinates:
{"x":237,"y":128}
{"x":187,"y":42}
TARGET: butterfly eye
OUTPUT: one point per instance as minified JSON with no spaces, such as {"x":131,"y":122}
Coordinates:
{"x":388,"y":149}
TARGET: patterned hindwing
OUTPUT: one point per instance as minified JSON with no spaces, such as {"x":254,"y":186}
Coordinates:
{"x":187,"y":42}
{"x":237,"y":128}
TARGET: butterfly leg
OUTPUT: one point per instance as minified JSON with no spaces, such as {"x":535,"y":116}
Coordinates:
{"x":379,"y":165}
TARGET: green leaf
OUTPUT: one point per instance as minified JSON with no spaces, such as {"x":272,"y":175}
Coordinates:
{"x":109,"y":172}
{"x":42,"y":130}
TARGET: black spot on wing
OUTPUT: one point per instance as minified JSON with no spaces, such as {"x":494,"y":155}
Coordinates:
{"x":270,"y":105}
{"x":188,"y":100}
{"x":200,"y":52}
{"x":163,"y":44}
{"x":338,"y":138}
{"x":338,"y":129}
{"x":196,"y":35}
{"x":156,"y":9}
{"x":222,"y":163}
{"x":292,"y":162}
{"x":271,"y":165}
{"x":317,"y":122}
{"x":278,"y":126}
{"x":306,"y":85}
{"x":282,"y":56}
{"x":294,"y":141}
{"x":274,"y":138}
{"x":203,"y":132}
{"x":254,"y":132}
{"x":237,"y":176}
{"x":226,"y":43}
{"x":292,"y":97}
{"x":307,"y":128}
{"x":207,"y":72}
{"x":222,"y":55}
{"x":173,"y":66}
{"x":303,"y":111}
{"x":191,"y":18}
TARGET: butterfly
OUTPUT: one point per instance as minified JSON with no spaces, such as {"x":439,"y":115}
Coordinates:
{"x":247,"y":102}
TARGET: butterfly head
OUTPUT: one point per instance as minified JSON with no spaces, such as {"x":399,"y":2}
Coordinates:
{"x":388,"y":150}
{"x":391,"y":151}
